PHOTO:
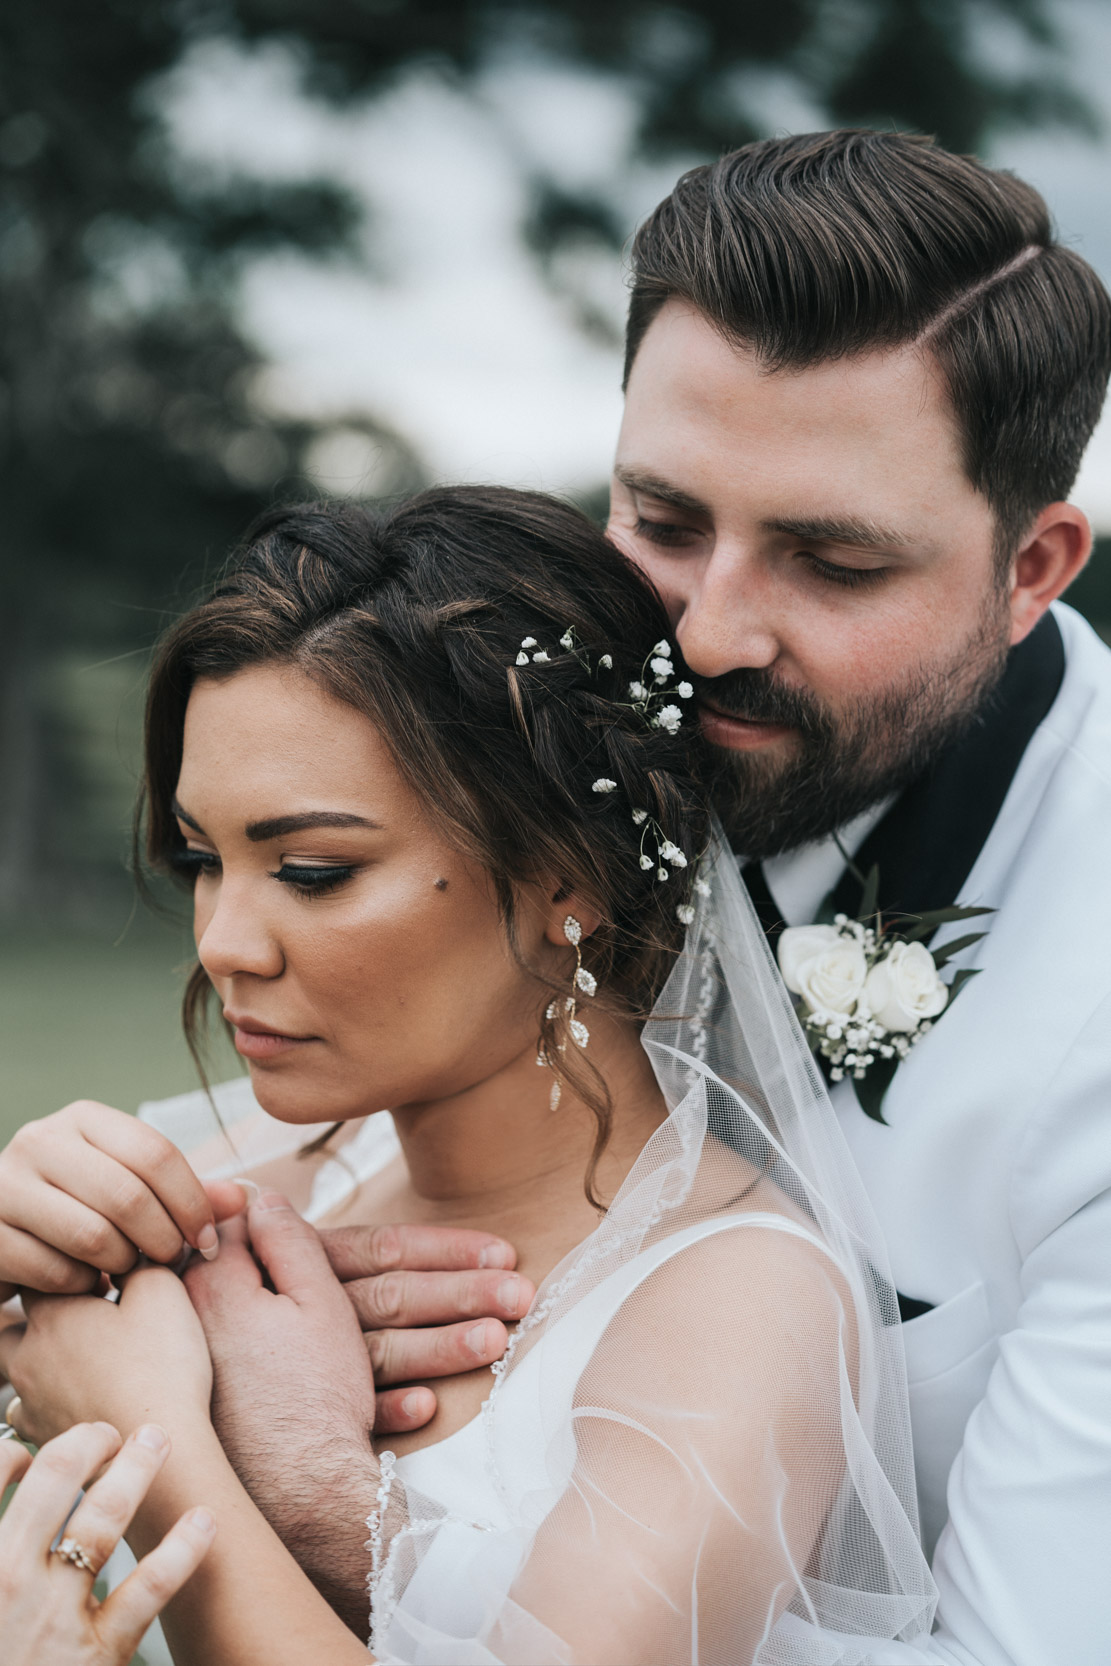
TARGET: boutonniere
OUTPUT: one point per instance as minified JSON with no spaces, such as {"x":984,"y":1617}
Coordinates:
{"x":869,"y":989}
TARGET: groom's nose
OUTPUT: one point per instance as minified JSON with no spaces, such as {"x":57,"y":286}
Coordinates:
{"x":725,"y":619}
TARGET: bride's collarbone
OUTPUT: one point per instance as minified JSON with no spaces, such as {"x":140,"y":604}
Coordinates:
{"x":459,"y":1400}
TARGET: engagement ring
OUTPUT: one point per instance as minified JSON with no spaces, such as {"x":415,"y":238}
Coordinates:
{"x":70,"y":1551}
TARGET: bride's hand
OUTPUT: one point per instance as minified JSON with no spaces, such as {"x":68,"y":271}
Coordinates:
{"x":88,"y":1191}
{"x":47,"y":1608}
{"x":82,"y":1359}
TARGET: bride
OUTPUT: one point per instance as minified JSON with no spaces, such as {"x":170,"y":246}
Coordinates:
{"x":433,"y":780}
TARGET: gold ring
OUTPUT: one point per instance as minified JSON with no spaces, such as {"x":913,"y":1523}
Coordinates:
{"x":13,"y":1403}
{"x":70,"y":1551}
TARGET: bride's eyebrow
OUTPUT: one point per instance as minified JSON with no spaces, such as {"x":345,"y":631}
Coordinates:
{"x":183,"y":815}
{"x":277,"y":826}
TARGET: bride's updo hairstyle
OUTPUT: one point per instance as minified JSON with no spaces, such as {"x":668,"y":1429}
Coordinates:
{"x":532,"y":759}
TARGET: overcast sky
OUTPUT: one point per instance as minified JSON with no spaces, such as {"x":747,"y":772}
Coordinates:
{"x":447,"y":331}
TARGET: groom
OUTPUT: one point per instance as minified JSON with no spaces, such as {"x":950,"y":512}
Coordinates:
{"x":860,"y":377}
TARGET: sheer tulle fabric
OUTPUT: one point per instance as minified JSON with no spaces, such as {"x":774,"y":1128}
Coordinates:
{"x":698,"y":1446}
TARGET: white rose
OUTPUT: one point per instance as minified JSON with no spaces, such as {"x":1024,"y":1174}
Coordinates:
{"x":799,"y":943}
{"x":832,"y":981}
{"x":903,"y":988}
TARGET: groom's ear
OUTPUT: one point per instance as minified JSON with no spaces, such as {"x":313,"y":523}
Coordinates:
{"x":1051,"y":555}
{"x":564,"y":904}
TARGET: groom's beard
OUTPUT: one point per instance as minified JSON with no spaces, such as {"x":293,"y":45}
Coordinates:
{"x":850,"y":760}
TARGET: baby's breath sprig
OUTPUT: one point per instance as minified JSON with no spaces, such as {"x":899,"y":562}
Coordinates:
{"x":650,"y":688}
{"x":571,"y":642}
{"x":666,"y":851}
{"x":530,"y":649}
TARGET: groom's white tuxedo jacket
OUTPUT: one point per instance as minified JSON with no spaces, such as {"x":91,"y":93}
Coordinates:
{"x":992,"y":1181}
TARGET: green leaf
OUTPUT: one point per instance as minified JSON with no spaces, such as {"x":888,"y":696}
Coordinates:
{"x":824,"y":916}
{"x":958,"y":983}
{"x":871,"y":894}
{"x":870,"y":1091}
{"x":927,"y":924}
{"x":942,"y":957}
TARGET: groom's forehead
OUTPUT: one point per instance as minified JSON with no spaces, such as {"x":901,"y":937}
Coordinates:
{"x":702,"y":415}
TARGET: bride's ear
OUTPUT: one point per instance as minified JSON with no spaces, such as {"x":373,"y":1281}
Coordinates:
{"x":566,"y":904}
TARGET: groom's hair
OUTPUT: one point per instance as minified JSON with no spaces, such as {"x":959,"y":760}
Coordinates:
{"x":823,"y":245}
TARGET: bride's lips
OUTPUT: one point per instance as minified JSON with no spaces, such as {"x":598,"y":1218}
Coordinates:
{"x":739,"y":734}
{"x":255,"y":1041}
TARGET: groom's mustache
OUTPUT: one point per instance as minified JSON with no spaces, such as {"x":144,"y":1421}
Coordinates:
{"x":755,"y":695}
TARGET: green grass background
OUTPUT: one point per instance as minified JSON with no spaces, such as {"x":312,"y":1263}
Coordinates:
{"x":90,"y":1013}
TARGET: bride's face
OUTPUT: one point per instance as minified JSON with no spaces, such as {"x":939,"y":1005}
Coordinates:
{"x":359,"y":956}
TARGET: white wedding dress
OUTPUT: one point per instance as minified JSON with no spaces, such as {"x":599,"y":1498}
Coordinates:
{"x":697,"y":1448}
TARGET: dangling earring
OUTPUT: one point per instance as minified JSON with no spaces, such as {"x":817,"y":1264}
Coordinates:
{"x":583,"y":980}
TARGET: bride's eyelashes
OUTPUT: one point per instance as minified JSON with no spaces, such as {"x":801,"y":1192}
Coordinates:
{"x":306,"y":880}
{"x":193,"y":863}
{"x":313,"y":882}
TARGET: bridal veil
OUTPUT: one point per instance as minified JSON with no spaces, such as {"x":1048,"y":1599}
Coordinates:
{"x":698,"y":1446}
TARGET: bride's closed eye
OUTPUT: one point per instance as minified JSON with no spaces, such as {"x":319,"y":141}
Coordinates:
{"x":308,"y":880}
{"x":313,"y":881}
{"x":186,"y":860}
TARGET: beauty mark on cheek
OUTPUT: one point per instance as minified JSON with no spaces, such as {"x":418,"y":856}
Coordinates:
{"x":440,"y":884}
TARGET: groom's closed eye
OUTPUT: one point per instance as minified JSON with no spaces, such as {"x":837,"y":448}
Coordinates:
{"x":668,"y":534}
{"x":835,"y":573}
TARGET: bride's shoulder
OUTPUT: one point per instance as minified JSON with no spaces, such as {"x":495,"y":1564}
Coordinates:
{"x":744,"y":1263}
{"x":746,"y":1308}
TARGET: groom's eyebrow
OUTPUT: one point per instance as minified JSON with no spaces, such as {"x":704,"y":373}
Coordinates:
{"x":862,"y":534}
{"x":653,"y":485}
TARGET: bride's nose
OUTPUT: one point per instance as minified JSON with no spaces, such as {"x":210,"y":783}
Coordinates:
{"x":234,"y":935}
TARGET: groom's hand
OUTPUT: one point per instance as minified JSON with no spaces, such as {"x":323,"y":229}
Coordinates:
{"x":292,"y":1399}
{"x":432,"y":1302}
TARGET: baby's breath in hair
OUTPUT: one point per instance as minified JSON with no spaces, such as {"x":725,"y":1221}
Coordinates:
{"x":643,"y":700}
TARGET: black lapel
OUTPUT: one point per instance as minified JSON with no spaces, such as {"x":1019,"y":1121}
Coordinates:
{"x":767,"y":909}
{"x":927,"y":844}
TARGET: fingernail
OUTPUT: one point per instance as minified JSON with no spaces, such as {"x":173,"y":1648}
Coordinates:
{"x":253,"y":1192}
{"x":109,"y":1429}
{"x":509,"y":1294}
{"x":476,"y":1341}
{"x":152,"y":1437}
{"x":496,"y":1255}
{"x":413,"y":1404}
{"x":202,"y":1521}
{"x":271,"y":1200}
{"x":208,"y":1242}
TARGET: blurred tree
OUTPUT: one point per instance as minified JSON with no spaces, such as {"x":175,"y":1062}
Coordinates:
{"x":130,"y":445}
